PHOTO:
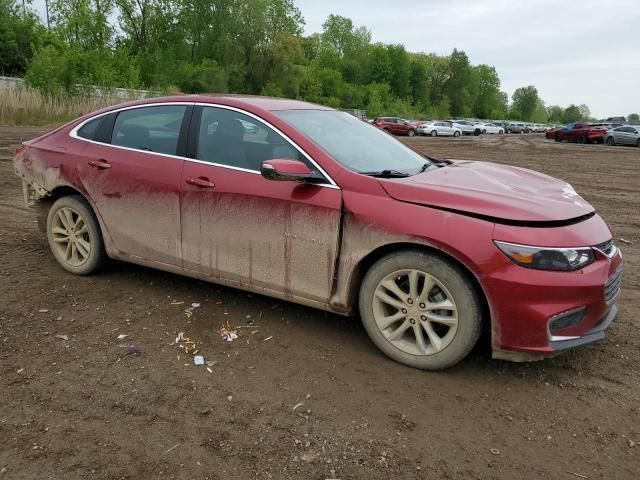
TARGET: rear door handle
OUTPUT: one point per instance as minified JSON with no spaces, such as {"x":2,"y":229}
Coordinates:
{"x":202,"y":182}
{"x":101,"y":164}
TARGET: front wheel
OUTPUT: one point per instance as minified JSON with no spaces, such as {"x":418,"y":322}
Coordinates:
{"x":500,"y":132}
{"x":581,"y":139}
{"x":638,"y":143}
{"x":411,"y":133}
{"x":74,"y":236}
{"x":456,"y":134}
{"x":484,"y":132}
{"x":434,"y":133}
{"x":420,"y":310}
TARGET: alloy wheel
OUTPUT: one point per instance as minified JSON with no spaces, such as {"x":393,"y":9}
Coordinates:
{"x":70,"y":235}
{"x":415,"y":312}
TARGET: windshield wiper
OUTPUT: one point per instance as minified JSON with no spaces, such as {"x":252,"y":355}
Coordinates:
{"x":387,"y":174}
{"x":424,"y":167}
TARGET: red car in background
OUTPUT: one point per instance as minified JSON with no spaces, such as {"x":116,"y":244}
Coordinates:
{"x":581,"y":133}
{"x":395,"y":125}
{"x":304,"y":203}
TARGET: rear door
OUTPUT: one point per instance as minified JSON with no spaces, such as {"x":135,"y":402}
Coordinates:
{"x":238,"y":226}
{"x":132,"y":173}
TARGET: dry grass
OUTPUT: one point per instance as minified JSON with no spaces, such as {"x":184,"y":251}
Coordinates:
{"x":25,"y":106}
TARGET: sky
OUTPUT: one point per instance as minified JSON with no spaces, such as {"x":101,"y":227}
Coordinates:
{"x":573,"y":51}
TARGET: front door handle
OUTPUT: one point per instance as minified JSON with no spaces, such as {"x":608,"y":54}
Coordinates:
{"x":101,"y":164}
{"x":202,"y":182}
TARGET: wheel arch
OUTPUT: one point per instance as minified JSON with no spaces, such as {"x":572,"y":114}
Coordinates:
{"x":43,"y":204}
{"x":363,"y":266}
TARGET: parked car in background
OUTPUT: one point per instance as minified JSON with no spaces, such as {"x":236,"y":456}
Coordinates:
{"x":490,"y":128}
{"x":539,"y":128}
{"x":516,"y":128}
{"x":395,"y":125}
{"x":551,"y":133}
{"x":467,"y":127}
{"x":624,"y":135}
{"x":581,"y":133}
{"x":440,"y":128}
{"x":321,"y":209}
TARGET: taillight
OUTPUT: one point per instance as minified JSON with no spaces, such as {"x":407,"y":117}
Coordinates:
{"x":19,"y":152}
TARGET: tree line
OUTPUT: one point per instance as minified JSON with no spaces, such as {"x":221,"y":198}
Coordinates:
{"x":253,"y":47}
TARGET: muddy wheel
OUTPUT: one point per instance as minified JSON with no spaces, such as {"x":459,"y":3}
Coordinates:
{"x":611,"y":141}
{"x":74,"y":236}
{"x":411,"y":133}
{"x":581,"y":139}
{"x":434,"y":133}
{"x":420,"y":310}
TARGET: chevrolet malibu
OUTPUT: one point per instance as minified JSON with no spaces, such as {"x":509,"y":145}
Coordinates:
{"x":308,"y":204}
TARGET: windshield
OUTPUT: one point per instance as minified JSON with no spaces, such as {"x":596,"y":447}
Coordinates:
{"x":355,"y":144}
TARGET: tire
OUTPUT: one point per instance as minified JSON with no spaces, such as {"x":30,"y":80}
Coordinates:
{"x":638,"y":143}
{"x":557,"y":138}
{"x":509,"y":131}
{"x":484,"y":132}
{"x":500,"y":132}
{"x":456,"y":134}
{"x":443,"y":343}
{"x":434,"y":133}
{"x":476,"y":132}
{"x":71,"y":218}
{"x":411,"y":133}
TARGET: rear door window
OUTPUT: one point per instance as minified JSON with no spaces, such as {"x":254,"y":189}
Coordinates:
{"x":153,"y":129}
{"x":89,"y":129}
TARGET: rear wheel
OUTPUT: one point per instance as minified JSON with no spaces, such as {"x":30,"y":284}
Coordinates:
{"x":557,"y":138}
{"x":434,"y":133}
{"x":456,"y":134}
{"x":638,"y":143}
{"x":74,"y":236}
{"x":610,"y":141}
{"x":500,"y":132}
{"x":581,"y":139}
{"x":484,"y":131}
{"x":420,"y":310}
{"x":411,"y":133}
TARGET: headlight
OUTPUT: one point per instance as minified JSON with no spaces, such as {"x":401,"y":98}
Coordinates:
{"x":546,"y":258}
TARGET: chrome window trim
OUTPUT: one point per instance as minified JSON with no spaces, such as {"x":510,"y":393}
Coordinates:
{"x":74,"y":134}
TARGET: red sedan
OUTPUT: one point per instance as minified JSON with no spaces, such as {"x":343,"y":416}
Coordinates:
{"x":581,"y":133}
{"x":395,"y":125}
{"x":308,"y":204}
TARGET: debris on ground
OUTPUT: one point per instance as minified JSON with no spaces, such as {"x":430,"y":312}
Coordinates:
{"x":186,"y":344}
{"x":628,"y":242}
{"x":228,"y":333}
{"x":177,"y":302}
{"x":298,"y":405}
{"x":62,"y":337}
{"x":268,"y":338}
{"x":122,"y":336}
{"x":43,"y":310}
{"x":175,"y":446}
{"x":198,"y":360}
{"x":133,"y":350}
{"x":195,"y":305}
{"x":495,"y":451}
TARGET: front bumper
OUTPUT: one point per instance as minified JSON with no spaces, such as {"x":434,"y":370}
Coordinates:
{"x":523,"y":301}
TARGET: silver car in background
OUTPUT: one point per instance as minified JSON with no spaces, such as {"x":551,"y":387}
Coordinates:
{"x":623,"y":135}
{"x":439,"y":128}
{"x":467,"y":127}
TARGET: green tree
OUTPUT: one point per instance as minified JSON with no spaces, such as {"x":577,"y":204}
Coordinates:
{"x":21,"y":34}
{"x":525,"y":102}
{"x":401,"y":68}
{"x":488,"y":99}
{"x":634,"y":117}
{"x":555,"y":114}
{"x":458,"y":84}
{"x":571,"y":114}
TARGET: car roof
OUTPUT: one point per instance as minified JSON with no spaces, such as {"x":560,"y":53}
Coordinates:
{"x":250,"y":102}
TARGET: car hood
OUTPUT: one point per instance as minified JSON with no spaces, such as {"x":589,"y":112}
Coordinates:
{"x":491,"y":190}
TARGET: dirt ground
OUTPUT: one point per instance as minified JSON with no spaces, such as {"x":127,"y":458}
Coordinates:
{"x":76,"y":402}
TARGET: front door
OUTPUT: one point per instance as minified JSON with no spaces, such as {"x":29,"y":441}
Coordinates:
{"x":134,"y":176}
{"x":237,"y":226}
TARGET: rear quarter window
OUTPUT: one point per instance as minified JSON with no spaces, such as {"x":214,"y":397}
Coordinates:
{"x":89,"y":129}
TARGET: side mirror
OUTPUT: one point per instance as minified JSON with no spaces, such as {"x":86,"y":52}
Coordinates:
{"x":287,"y":169}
